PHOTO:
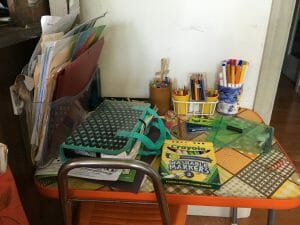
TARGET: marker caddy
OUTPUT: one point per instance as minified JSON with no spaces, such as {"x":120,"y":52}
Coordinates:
{"x":230,"y":85}
{"x":200,"y":101}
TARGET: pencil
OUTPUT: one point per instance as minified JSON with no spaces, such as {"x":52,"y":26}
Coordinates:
{"x":196,"y":89}
{"x":180,"y":131}
{"x":192,"y":87}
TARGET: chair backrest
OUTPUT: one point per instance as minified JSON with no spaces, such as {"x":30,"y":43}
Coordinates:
{"x":66,"y":202}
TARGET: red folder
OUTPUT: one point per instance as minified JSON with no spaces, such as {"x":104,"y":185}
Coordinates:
{"x":76,"y":75}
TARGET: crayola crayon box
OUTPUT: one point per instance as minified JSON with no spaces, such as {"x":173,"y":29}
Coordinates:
{"x":189,"y":163}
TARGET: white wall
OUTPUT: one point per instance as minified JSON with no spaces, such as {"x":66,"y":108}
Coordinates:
{"x":196,"y":35}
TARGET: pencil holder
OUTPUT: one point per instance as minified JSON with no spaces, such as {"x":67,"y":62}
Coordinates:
{"x":161,"y":98}
{"x":181,"y":104}
{"x":228,"y":100}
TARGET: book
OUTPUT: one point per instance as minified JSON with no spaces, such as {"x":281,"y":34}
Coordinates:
{"x":189,"y":163}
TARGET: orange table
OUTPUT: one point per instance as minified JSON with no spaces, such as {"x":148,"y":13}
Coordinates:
{"x":11,"y":210}
{"x":247,"y":181}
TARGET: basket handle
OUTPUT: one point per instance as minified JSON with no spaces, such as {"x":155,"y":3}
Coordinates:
{"x":154,"y":147}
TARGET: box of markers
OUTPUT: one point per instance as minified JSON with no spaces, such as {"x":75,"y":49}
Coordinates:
{"x":189,"y":163}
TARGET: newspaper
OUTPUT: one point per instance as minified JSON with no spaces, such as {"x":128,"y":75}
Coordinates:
{"x":90,"y":173}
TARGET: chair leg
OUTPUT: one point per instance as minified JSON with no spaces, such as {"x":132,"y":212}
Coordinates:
{"x":271,"y":217}
{"x":68,"y":213}
{"x":234,"y":216}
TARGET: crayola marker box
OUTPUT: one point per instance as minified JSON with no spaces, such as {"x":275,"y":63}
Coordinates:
{"x":189,"y":163}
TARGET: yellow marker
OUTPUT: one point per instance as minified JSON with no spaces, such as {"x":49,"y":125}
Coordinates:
{"x":243,"y":72}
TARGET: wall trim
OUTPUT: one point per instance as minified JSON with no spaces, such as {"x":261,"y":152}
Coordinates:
{"x":274,"y":51}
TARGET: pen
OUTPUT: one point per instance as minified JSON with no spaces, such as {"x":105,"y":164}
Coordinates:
{"x":221,"y":80}
{"x":224,"y":74}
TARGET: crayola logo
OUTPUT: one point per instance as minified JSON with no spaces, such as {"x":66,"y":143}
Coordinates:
{"x":183,"y":147}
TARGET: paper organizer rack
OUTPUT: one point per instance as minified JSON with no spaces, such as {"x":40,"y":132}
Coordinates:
{"x":204,"y":108}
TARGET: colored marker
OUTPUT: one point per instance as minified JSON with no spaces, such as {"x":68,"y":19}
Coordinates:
{"x":224,"y":73}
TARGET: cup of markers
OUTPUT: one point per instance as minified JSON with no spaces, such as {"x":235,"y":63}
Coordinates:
{"x":231,"y":80}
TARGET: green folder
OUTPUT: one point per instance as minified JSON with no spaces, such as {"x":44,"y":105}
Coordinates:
{"x":241,"y":134}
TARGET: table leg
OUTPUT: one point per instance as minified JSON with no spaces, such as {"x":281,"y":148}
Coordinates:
{"x":234,"y":216}
{"x":271,"y":217}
